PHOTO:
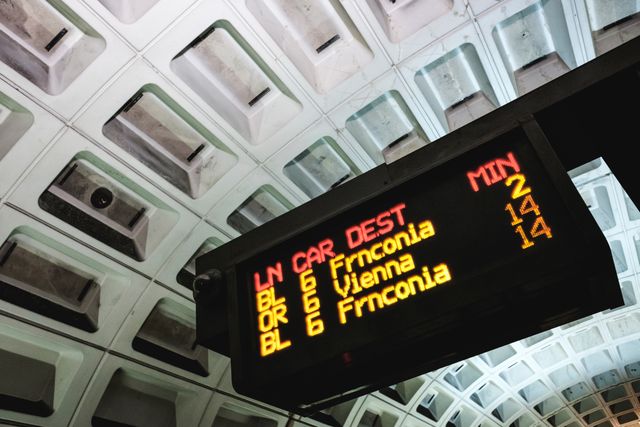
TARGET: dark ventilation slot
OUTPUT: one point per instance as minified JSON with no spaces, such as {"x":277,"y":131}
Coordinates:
{"x":130,"y":401}
{"x":46,"y":287}
{"x":27,"y":385}
{"x":199,"y":39}
{"x":195,"y":153}
{"x":54,"y":41}
{"x":618,"y":22}
{"x":462,"y":101}
{"x":534,"y":62}
{"x":328,"y":43}
{"x":259,"y":97}
{"x":84,"y":197}
{"x":5,"y":251}
{"x":137,"y":217}
{"x":539,"y":71}
{"x":195,"y":42}
{"x":398,"y":141}
{"x":130,"y":103}
{"x":454,"y":419}
{"x":67,"y":174}
{"x":127,"y":106}
{"x":616,"y":33}
{"x":168,"y":336}
{"x":340,"y":181}
{"x":85,"y":290}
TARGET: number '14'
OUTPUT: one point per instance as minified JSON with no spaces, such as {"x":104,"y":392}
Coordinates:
{"x":539,"y":227}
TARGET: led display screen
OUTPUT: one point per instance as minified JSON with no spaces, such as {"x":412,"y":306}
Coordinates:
{"x":409,"y":279}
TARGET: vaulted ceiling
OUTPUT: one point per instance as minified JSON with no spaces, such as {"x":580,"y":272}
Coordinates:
{"x":135,"y":135}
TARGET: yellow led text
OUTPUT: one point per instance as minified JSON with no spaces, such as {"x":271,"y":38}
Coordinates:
{"x":391,"y":294}
{"x":272,"y":312}
{"x":311,"y":304}
{"x":345,"y":281}
{"x":522,"y":192}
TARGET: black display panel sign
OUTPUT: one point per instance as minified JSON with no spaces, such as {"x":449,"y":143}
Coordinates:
{"x":491,"y":246}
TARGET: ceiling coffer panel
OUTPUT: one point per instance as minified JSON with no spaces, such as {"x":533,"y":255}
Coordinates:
{"x":137,"y":135}
{"x":46,"y":42}
{"x":230,"y":76}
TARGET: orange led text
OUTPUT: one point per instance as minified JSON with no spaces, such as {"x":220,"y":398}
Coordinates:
{"x":311,"y":304}
{"x":272,"y":312}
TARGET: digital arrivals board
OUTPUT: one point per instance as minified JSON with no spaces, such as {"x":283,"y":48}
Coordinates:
{"x":491,"y":246}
